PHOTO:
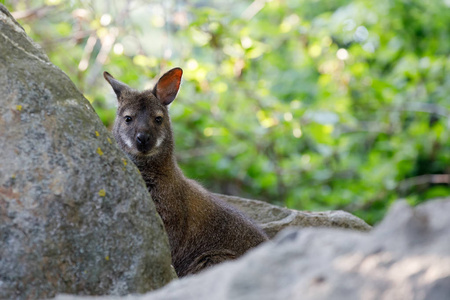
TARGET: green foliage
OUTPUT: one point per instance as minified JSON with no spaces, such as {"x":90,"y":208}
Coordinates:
{"x":309,"y":104}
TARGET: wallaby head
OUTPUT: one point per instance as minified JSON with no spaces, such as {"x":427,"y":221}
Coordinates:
{"x":142,"y":126}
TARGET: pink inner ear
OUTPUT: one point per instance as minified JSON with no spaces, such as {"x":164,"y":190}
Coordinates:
{"x":168,"y":85}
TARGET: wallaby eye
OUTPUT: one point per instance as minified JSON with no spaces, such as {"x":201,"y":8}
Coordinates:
{"x":128,"y":119}
{"x":158,"y":120}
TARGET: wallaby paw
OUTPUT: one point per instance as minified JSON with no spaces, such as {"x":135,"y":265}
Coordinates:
{"x":209,"y":259}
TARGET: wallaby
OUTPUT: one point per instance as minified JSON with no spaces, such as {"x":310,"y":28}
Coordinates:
{"x":203,"y":230}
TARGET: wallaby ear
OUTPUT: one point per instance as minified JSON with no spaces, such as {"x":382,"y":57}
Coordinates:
{"x":168,"y":85}
{"x":117,"y":86}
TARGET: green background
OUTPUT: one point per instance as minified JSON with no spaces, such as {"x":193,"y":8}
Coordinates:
{"x":313,"y":105}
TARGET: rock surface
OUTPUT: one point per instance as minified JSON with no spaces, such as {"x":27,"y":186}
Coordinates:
{"x":68,"y":221}
{"x":407,"y":256}
{"x":273,"y":218}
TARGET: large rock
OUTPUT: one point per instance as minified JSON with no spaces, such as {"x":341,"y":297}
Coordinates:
{"x":406,"y":257}
{"x":273,"y":218}
{"x":75,"y":216}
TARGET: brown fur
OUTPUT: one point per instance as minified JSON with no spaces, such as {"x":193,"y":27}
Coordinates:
{"x":202,"y":229}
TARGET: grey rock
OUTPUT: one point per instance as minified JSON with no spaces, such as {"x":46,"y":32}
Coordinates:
{"x":407,"y":256}
{"x":75,"y":215}
{"x":273,"y":219}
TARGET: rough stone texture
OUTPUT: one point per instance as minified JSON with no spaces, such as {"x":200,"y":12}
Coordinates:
{"x":75,"y":216}
{"x":273,"y":219}
{"x":406,"y":257}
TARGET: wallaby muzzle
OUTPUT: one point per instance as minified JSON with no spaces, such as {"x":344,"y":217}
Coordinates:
{"x":142,"y":138}
{"x":144,"y":142}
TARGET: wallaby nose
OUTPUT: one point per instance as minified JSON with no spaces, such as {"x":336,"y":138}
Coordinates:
{"x":142,"y":138}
